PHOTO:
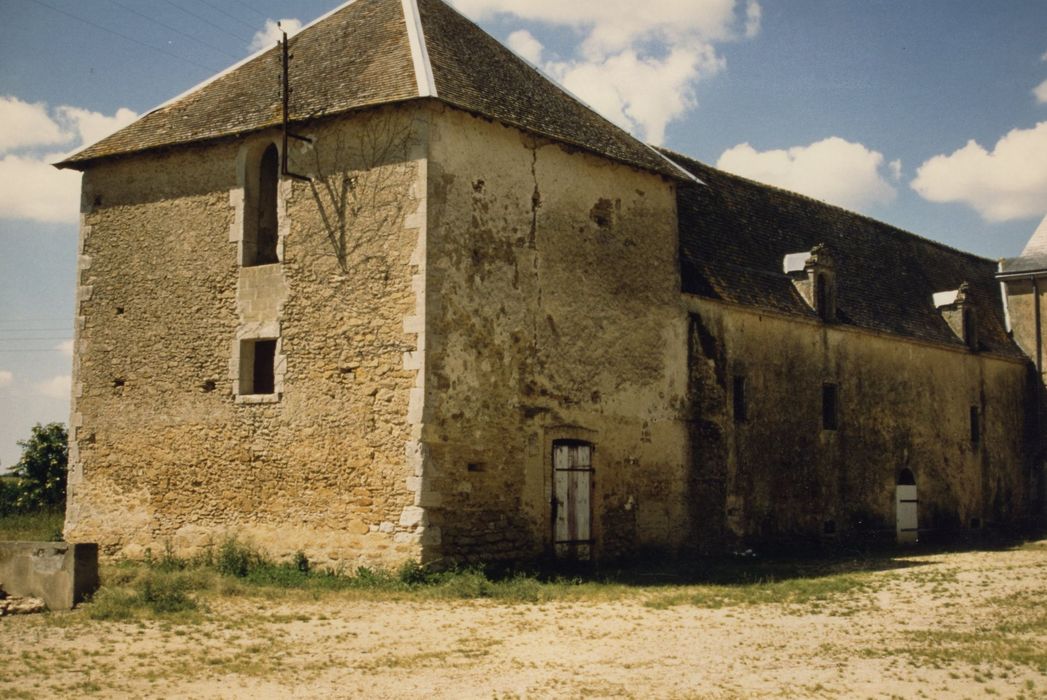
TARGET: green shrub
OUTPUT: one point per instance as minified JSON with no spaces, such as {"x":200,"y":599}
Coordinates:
{"x":165,"y":594}
{"x":42,"y":469}
{"x":236,"y":558}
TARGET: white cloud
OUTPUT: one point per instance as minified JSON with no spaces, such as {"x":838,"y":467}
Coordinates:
{"x":58,"y":387}
{"x":65,"y":347}
{"x":895,"y":166}
{"x":267,"y":37}
{"x":524,"y":43}
{"x":30,"y":188}
{"x":27,"y":125}
{"x":639,"y":93}
{"x":6,"y":378}
{"x":753,"y":16}
{"x":834,"y":170}
{"x":92,"y":127}
{"x":1041,"y":92}
{"x":637,"y":62}
{"x":1009,"y":182}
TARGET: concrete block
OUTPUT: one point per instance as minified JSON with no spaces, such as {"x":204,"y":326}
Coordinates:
{"x":60,"y":573}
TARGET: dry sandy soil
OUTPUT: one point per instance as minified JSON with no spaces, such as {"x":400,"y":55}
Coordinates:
{"x":955,"y":625}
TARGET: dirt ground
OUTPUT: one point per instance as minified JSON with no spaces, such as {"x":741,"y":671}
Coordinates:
{"x":957,"y":625}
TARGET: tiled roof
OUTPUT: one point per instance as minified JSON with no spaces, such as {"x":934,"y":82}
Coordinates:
{"x":734,"y":234}
{"x":369,"y":52}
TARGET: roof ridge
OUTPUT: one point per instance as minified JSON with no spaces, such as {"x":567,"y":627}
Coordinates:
{"x":423,"y":68}
{"x":894,"y":230}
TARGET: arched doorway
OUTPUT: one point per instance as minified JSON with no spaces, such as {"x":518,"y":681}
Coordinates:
{"x":905,"y":507}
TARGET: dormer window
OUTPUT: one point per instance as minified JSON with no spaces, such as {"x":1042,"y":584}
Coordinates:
{"x":813,"y":273}
{"x":956,"y":308}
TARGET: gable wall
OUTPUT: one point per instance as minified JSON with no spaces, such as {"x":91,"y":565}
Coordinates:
{"x":166,"y":458}
{"x":553,"y":312}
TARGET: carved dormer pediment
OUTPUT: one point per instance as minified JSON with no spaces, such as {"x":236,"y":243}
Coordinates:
{"x":956,"y":308}
{"x":813,"y":273}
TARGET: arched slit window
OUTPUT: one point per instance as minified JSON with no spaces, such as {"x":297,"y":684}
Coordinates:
{"x":261,"y":234}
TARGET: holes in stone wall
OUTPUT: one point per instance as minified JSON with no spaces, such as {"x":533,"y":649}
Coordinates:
{"x":208,"y":386}
{"x":476,"y":467}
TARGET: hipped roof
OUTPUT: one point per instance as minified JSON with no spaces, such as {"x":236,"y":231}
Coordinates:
{"x":374,"y":52}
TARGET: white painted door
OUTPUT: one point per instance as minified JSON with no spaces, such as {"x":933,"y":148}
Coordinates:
{"x":572,"y":491}
{"x":905,"y":507}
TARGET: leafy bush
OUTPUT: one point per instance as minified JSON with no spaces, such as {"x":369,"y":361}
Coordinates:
{"x":236,"y":558}
{"x":42,"y":469}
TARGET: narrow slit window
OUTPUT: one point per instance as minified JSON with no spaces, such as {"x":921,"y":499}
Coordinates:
{"x":257,"y":367}
{"x":830,"y":407}
{"x":976,"y":425}
{"x":738,"y":399}
{"x":821,"y":300}
{"x":260,"y":220}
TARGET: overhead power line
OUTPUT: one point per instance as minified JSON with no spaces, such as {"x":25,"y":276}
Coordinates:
{"x":232,"y":17}
{"x":249,"y":8}
{"x":207,"y":21}
{"x":124,"y":36}
{"x":176,"y":30}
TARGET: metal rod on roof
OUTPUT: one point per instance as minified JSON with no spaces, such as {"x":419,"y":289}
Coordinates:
{"x":286,"y":99}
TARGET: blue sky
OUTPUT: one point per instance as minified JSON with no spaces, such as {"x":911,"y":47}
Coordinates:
{"x":929,"y":115}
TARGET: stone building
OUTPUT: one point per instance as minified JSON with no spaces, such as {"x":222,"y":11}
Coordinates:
{"x":456,"y":315}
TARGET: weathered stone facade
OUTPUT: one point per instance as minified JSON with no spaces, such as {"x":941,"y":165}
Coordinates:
{"x":498,"y":328}
{"x":165,"y":450}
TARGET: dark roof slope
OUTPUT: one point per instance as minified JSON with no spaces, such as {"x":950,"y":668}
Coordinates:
{"x":475,"y":72}
{"x":734,"y":234}
{"x":357,"y":57}
{"x":360,"y":56}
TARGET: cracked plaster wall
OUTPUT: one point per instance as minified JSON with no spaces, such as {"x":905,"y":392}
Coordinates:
{"x":554,"y":312}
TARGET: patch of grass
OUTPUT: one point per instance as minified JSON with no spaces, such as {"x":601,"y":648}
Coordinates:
{"x":796,"y":591}
{"x":148,"y":592}
{"x":38,"y":526}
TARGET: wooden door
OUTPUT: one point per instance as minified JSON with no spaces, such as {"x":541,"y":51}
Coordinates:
{"x":572,"y":497}
{"x":905,"y":508}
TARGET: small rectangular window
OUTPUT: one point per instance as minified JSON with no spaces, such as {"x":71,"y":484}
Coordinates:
{"x":830,"y":407}
{"x":976,"y":426}
{"x":738,"y":399}
{"x":257,"y":373}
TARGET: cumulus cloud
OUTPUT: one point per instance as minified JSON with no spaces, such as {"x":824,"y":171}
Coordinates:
{"x":1009,"y":182}
{"x":27,"y":125}
{"x":753,"y":16}
{"x":834,"y":170}
{"x":267,"y":37}
{"x":636,"y":63}
{"x":524,"y":43}
{"x":1041,"y":92}
{"x":92,"y":127}
{"x":6,"y":378}
{"x":29,"y":187}
{"x":59,"y":387}
{"x":65,"y":347}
